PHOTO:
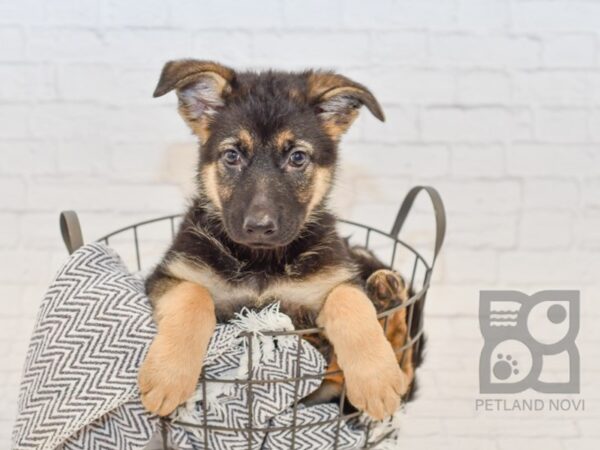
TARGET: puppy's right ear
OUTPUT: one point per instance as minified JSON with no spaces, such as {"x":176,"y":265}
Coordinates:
{"x":201,"y":88}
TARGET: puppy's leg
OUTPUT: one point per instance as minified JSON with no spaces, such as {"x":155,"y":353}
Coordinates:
{"x":387,"y":289}
{"x":185,"y":317}
{"x":374,"y":382}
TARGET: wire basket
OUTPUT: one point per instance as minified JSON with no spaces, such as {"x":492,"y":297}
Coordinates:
{"x":388,"y":247}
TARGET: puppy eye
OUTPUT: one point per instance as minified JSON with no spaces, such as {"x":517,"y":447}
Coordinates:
{"x":298,"y":159}
{"x":231,"y":157}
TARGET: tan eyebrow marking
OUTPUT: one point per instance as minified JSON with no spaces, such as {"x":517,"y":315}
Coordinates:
{"x":228,"y":142}
{"x":304,"y":145}
{"x":282,"y":139}
{"x":246,"y":140}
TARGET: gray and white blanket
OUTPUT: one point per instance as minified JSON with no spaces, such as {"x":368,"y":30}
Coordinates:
{"x":79,"y":387}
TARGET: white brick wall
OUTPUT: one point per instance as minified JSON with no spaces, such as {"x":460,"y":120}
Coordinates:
{"x":495,"y":102}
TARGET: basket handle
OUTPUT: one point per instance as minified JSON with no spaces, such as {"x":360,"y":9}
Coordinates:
{"x":71,"y":230}
{"x":439,"y":211}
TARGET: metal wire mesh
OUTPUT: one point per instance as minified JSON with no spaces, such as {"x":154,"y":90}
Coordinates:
{"x":417,"y":273}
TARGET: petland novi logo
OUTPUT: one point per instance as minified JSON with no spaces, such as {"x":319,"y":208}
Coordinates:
{"x":529,"y":343}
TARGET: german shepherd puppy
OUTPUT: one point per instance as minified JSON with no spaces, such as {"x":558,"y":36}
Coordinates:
{"x":258,"y":230}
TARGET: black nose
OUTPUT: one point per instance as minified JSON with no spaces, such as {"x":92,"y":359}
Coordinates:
{"x":259,"y":225}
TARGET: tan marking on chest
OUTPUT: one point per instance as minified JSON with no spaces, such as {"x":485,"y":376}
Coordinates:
{"x":308,"y":293}
{"x":221,"y":290}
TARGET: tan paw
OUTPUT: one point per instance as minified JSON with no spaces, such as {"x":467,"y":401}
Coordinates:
{"x":376,"y":385}
{"x":167,"y":377}
{"x":385,"y":286}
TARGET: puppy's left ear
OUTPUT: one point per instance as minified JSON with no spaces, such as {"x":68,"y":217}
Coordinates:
{"x":337,"y":99}
{"x":202,"y":87}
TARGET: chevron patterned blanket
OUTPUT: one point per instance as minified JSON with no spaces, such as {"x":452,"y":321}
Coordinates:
{"x":79,"y":388}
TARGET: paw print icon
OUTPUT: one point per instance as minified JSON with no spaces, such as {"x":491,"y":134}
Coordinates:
{"x":529,"y":342}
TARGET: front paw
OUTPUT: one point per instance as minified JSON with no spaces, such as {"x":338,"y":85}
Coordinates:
{"x":385,"y":287}
{"x":376,"y":387}
{"x":168,"y":377}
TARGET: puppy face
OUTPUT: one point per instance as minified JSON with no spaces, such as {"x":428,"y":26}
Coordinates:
{"x":268,"y":142}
